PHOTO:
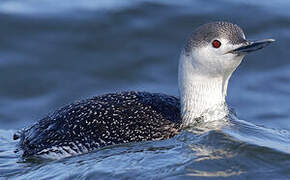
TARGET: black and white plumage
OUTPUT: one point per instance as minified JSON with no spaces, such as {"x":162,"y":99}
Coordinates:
{"x":101,"y":121}
{"x":204,"y":71}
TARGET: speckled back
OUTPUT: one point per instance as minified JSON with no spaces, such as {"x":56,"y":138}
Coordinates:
{"x":104,"y":120}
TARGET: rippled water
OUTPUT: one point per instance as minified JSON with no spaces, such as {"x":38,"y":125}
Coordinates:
{"x":55,"y":52}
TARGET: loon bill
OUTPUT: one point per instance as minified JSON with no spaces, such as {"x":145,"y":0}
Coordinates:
{"x":211,"y":54}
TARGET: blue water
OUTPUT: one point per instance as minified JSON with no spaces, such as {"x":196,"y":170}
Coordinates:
{"x":55,"y":52}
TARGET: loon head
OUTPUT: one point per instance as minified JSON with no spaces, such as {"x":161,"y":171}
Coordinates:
{"x":216,"y":49}
{"x":211,"y":54}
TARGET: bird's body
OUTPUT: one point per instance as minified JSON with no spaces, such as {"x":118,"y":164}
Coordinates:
{"x":101,"y":121}
{"x":210,"y":56}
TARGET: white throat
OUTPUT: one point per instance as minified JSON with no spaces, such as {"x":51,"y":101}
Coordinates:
{"x":200,"y":89}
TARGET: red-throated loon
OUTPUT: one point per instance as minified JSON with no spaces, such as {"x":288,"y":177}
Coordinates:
{"x":211,"y":54}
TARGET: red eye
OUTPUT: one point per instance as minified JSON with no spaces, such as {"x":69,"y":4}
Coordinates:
{"x":216,"y":44}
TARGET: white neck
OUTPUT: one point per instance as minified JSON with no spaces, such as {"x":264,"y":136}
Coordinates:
{"x":199,"y":91}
